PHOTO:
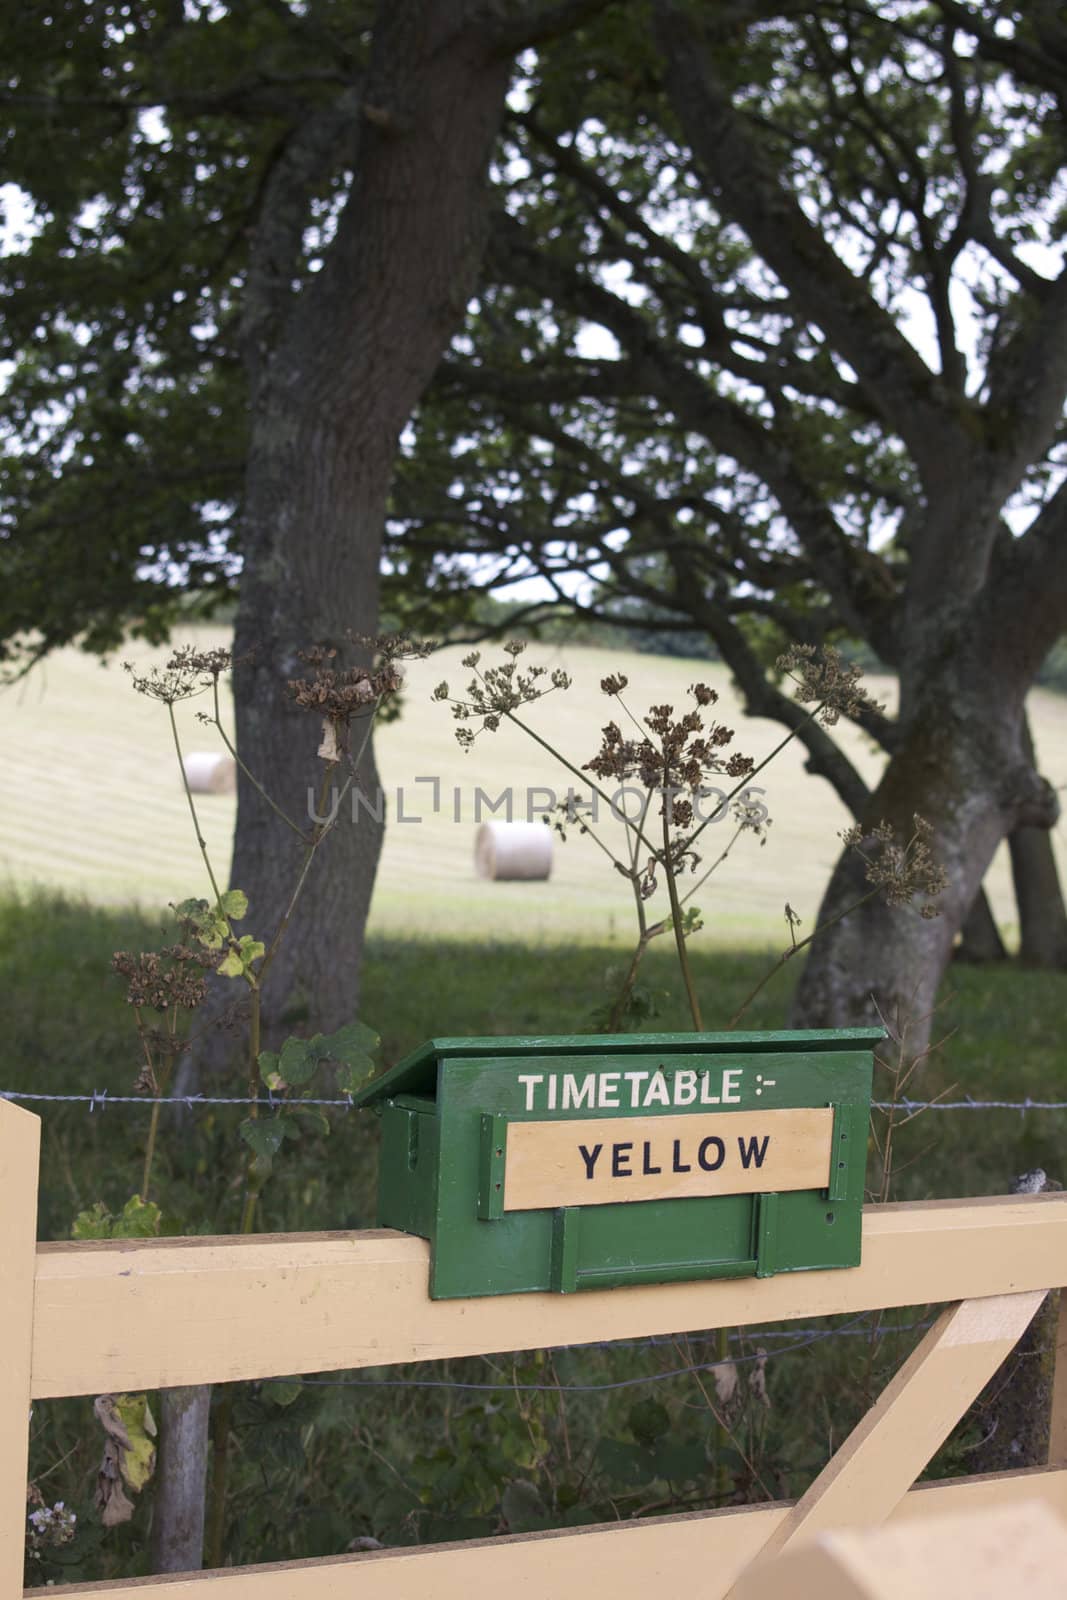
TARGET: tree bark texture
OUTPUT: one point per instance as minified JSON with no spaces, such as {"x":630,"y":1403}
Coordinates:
{"x":1039,"y":897}
{"x":178,"y":1508}
{"x":961,"y":765}
{"x":1038,"y":894}
{"x":335,"y":373}
{"x":980,"y":941}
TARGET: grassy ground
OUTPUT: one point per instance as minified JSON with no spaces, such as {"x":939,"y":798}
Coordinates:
{"x":90,"y":803}
{"x":320,"y":1465}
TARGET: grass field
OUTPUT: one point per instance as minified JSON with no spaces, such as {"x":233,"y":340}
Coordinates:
{"x":90,"y":803}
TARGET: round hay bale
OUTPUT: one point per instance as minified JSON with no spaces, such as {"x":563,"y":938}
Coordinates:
{"x":208,"y":773}
{"x":508,"y":851}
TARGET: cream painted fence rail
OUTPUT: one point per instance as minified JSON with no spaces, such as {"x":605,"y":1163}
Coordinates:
{"x":98,"y":1317}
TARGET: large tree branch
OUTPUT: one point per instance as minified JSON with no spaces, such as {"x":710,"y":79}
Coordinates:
{"x":533,"y":24}
{"x":1042,"y":66}
{"x":1028,"y":382}
{"x":304,"y":156}
{"x":856,"y":579}
{"x":678,"y":272}
{"x":763,"y":698}
{"x":897,"y":382}
{"x":1024,"y":607}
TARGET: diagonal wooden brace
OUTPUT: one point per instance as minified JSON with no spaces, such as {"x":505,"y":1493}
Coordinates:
{"x":886,"y":1451}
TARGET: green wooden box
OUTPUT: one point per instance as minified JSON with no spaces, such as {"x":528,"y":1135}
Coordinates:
{"x":598,"y":1161}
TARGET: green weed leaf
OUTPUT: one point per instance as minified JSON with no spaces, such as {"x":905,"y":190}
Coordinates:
{"x":138,"y":1219}
{"x":283,"y":1391}
{"x":237,"y":963}
{"x":263,"y":1136}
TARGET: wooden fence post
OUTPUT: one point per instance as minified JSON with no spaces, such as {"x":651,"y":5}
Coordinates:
{"x":20,"y":1138}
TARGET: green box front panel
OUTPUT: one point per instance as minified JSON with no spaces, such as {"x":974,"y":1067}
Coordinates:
{"x":407,"y":1181}
{"x":432,"y":1172}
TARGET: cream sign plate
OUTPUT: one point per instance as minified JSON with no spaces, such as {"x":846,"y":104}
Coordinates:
{"x":606,"y":1160}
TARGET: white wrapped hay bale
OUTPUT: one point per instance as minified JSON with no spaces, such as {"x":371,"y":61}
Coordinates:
{"x":208,"y":773}
{"x":509,"y":851}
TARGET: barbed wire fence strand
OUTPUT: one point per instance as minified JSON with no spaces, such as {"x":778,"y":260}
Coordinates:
{"x":101,"y":1099}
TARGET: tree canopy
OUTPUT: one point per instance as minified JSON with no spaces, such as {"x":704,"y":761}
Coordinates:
{"x":747,"y":312}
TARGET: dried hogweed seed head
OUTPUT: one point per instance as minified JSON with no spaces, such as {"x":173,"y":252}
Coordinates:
{"x":159,"y":979}
{"x":614,"y":683}
{"x":497,"y":692}
{"x":900,"y":869}
{"x":186,"y":672}
{"x":823,"y":677}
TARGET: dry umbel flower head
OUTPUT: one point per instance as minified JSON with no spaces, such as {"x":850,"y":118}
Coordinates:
{"x":156,"y":980}
{"x":498,"y":692}
{"x":825,"y":679}
{"x":342,"y":694}
{"x":677,"y":756}
{"x":900,"y":869}
{"x":185,"y":673}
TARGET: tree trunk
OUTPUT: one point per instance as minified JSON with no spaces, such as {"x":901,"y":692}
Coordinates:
{"x":1042,"y":917}
{"x":357,"y":348}
{"x":980,"y":941}
{"x":961,"y":767}
{"x":335,"y":372}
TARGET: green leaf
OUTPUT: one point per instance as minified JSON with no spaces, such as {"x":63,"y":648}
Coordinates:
{"x":264,"y":1136}
{"x":139,"y":1219}
{"x":234,"y":904}
{"x":298,"y":1061}
{"x":138,"y":1459}
{"x":522,"y":1506}
{"x":680,"y":1459}
{"x":190,"y":910}
{"x":268,"y":1070}
{"x":354,"y":1037}
{"x":355,"y":1073}
{"x":352,"y":1047}
{"x":648,"y":1421}
{"x":92,"y":1224}
{"x":237,"y":963}
{"x":282,"y":1391}
{"x":313,"y":1116}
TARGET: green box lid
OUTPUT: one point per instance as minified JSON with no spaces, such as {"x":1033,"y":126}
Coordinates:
{"x":417,"y":1073}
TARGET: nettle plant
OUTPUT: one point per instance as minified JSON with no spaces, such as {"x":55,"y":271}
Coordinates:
{"x":665,"y":767}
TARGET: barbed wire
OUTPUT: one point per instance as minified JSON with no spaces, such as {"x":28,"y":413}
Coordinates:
{"x":101,"y":1099}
